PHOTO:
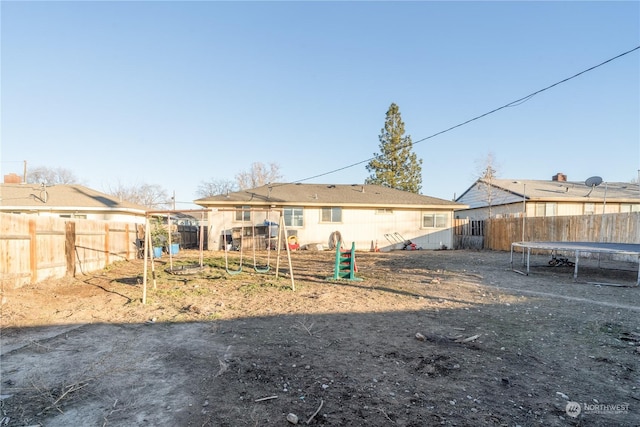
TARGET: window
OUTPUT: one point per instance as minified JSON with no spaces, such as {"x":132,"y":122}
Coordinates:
{"x":589,"y":209}
{"x":551,"y":209}
{"x":243,"y":213}
{"x":331,"y":215}
{"x":384,"y":211}
{"x":628,"y":207}
{"x":434,"y":220}
{"x":77,"y":216}
{"x":546,"y":209}
{"x":293,"y":217}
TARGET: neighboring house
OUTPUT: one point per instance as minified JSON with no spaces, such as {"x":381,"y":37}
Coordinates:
{"x":369,"y":215}
{"x":497,"y":198}
{"x":67,"y":201}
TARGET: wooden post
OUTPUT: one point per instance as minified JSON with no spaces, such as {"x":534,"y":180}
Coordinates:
{"x":70,"y":247}
{"x":33,"y":251}
{"x":201,"y":238}
{"x":128,"y":247}
{"x":283,"y":227}
{"x":106,"y":244}
{"x":147,"y":245}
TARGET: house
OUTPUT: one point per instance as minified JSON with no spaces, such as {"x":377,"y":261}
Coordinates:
{"x":66,"y":201}
{"x":497,"y":198}
{"x":369,"y":215}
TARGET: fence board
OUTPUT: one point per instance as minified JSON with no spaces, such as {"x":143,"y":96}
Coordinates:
{"x":608,"y":228}
{"x":468,"y":234}
{"x":36,"y":248}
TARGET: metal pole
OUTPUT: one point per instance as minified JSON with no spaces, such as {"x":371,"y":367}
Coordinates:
{"x":524,"y":214}
{"x":169,"y":229}
{"x":524,"y":209}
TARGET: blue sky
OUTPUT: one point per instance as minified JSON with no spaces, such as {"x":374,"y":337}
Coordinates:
{"x":176,"y":93}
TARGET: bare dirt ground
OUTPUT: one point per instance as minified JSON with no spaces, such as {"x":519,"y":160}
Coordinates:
{"x":426,"y":338}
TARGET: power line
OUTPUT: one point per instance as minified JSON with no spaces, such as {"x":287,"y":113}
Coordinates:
{"x":515,"y":103}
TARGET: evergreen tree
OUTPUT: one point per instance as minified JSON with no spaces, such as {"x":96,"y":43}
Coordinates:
{"x":396,"y":166}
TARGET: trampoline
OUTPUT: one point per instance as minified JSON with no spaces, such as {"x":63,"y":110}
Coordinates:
{"x":578,"y":248}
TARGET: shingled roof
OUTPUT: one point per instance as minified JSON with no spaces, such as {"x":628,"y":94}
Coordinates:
{"x":14,"y":197}
{"x":624,"y":192}
{"x":355,"y":195}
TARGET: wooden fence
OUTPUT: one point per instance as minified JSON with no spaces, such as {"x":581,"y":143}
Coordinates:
{"x":498,"y":233}
{"x":36,"y":248}
{"x":190,"y":236}
{"x":618,"y":228}
{"x":468,"y":234}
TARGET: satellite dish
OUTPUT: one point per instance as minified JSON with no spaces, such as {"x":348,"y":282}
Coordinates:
{"x":592,"y":182}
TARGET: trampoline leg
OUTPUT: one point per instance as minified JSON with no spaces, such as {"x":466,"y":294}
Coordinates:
{"x":575,"y":268}
{"x":528,"y":259}
{"x":511,"y":257}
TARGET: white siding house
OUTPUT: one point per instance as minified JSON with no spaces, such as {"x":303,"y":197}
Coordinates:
{"x":497,"y":198}
{"x":67,"y":201}
{"x":369,"y":215}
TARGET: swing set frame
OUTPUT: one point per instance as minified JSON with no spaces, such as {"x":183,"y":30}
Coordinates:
{"x":279,"y":239}
{"x":147,"y":245}
{"x":148,"y":258}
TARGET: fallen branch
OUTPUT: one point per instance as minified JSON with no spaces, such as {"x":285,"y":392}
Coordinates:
{"x":439,"y":339}
{"x":316,"y":413}
{"x":385,"y":415}
{"x":305,"y":327}
{"x":473,"y":338}
{"x":70,"y":389}
{"x":265,"y":398}
{"x":223,"y":367}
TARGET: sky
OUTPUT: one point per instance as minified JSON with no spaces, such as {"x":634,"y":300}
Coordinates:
{"x":180,"y":93}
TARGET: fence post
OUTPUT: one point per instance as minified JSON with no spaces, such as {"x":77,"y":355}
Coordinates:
{"x":127,"y":253}
{"x":70,"y":247}
{"x":106,"y":244}
{"x":33,"y":251}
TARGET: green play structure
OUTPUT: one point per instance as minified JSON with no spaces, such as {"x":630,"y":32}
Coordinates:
{"x":345,"y":266}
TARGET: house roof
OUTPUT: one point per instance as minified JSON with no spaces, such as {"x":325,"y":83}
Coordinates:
{"x":34,"y":197}
{"x":563,"y":190}
{"x":356,"y":195}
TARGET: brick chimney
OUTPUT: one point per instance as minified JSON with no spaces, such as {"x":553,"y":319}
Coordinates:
{"x":559,"y":177}
{"x":12,"y":178}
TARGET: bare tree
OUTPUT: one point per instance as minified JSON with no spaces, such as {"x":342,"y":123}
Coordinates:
{"x":259,"y":174}
{"x":487,"y":167}
{"x":51,"y":176}
{"x":151,"y":196}
{"x":215,"y":187}
{"x":487,"y":172}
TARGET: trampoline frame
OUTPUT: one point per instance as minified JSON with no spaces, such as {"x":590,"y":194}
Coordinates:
{"x":577,"y":248}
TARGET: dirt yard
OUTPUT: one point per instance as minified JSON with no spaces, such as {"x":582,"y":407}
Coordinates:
{"x":426,"y":338}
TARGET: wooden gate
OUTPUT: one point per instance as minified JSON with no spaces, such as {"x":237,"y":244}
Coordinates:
{"x":468,"y":234}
